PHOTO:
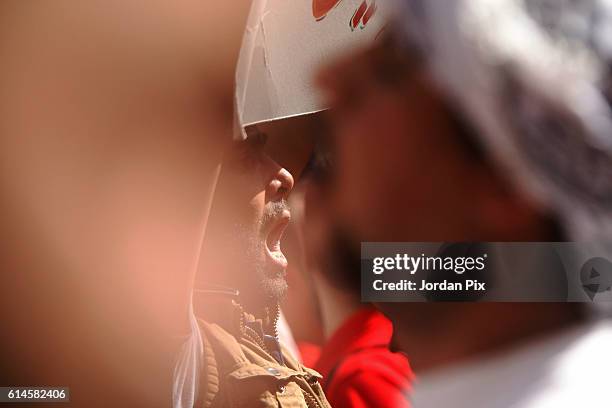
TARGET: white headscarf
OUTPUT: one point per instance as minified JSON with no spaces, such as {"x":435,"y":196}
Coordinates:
{"x":534,"y":78}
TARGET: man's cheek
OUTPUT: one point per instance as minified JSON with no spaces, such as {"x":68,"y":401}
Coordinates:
{"x":256,"y":208}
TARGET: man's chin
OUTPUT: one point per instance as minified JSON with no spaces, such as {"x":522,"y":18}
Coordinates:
{"x":274,"y":289}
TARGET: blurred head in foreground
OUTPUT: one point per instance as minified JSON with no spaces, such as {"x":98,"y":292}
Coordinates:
{"x":477,"y":121}
{"x":113,"y":119}
{"x":515,"y":118}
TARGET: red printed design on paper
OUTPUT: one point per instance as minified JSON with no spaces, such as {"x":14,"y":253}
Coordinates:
{"x":363,"y":14}
{"x":320,"y":8}
{"x":360,"y":18}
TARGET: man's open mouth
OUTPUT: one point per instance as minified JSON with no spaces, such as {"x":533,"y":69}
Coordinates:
{"x":275,"y":233}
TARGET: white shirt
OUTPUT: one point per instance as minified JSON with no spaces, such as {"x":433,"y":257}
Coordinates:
{"x":572,"y":369}
{"x":185,"y":386}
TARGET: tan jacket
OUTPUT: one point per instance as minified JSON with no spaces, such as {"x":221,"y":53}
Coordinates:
{"x":239,"y":369}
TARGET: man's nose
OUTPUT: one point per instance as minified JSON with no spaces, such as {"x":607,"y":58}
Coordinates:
{"x":280,"y":185}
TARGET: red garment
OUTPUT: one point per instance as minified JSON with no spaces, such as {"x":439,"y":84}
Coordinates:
{"x":358,"y":368}
{"x":309,"y":352}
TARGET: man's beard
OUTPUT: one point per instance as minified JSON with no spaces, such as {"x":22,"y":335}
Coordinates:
{"x":270,"y":284}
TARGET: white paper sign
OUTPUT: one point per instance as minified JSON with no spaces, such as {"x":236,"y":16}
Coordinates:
{"x":286,"y":42}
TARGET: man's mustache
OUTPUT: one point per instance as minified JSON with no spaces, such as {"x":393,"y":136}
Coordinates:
{"x":272,"y":211}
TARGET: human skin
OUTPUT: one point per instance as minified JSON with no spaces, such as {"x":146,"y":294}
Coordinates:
{"x":404,"y":172}
{"x":113,"y":119}
{"x":242,"y":247}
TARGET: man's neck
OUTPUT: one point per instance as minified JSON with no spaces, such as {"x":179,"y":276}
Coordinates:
{"x":264,"y":312}
{"x":215,"y":301}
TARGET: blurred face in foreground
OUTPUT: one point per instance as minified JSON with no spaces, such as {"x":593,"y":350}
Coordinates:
{"x":407,"y":168}
{"x":113,"y":117}
{"x":248,"y":218}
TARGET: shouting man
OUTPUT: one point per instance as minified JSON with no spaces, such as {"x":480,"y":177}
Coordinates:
{"x":234,"y":357}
